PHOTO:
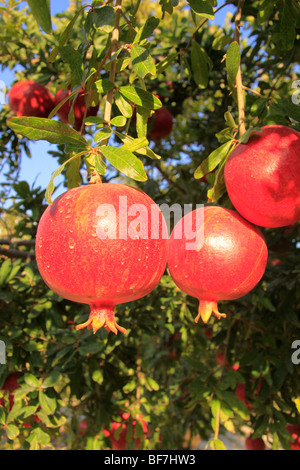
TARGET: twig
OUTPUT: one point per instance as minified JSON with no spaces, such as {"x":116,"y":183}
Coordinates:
{"x":11,"y":253}
{"x":17,"y":242}
{"x":239,"y":83}
{"x":112,"y":73}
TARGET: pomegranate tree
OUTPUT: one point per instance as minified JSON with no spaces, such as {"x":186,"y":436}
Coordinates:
{"x":29,"y":98}
{"x":102,"y":245}
{"x":262,"y":177}
{"x":214,"y":254}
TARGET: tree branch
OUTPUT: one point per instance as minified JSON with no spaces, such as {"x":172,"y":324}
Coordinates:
{"x":239,"y":83}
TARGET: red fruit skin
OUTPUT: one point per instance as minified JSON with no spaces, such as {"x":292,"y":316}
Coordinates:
{"x":255,"y":444}
{"x":294,"y":431}
{"x":10,"y":385}
{"x":221,"y":360}
{"x":240,"y":393}
{"x":224,"y":264}
{"x":120,"y":442}
{"x":28,"y":98}
{"x":262,"y":179}
{"x":160,"y":124}
{"x":79,"y":108}
{"x":79,"y":264}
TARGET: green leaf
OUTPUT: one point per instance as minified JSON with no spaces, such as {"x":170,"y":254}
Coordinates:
{"x":64,"y":36}
{"x":103,"y":18}
{"x":31,"y":380}
{"x":217,"y":444}
{"x":38,"y":438}
{"x":103,"y":134}
{"x":124,"y":107}
{"x":54,"y":132}
{"x":97,"y":376}
{"x":246,"y":136}
{"x":118,"y":121}
{"x":140,"y":97}
{"x":104,"y":85}
{"x":41,"y":12}
{"x":233,"y":60}
{"x":213,"y":160}
{"x":50,"y":187}
{"x":142,"y":61}
{"x":203,"y":8}
{"x":47,"y":403}
{"x":73,"y":173}
{"x":136,"y":144}
{"x":5,"y":270}
{"x":151,"y":384}
{"x":51,"y":379}
{"x":199,"y":65}
{"x":287,"y":26}
{"x":125,"y":161}
{"x":11,"y":431}
{"x":220,"y":42}
{"x":74,"y":59}
{"x":147,"y":29}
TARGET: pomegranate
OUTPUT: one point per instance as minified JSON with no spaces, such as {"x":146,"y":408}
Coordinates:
{"x":102,"y":245}
{"x":255,"y":444}
{"x":240,"y":393}
{"x":160,"y":123}
{"x":214,"y":254}
{"x":29,"y":98}
{"x":120,"y":438}
{"x":261,"y":177}
{"x":10,"y":385}
{"x":294,"y":431}
{"x":78,"y":107}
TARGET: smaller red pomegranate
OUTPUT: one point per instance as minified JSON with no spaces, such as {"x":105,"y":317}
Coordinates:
{"x":255,"y":444}
{"x":240,"y":393}
{"x":262,"y":177}
{"x":294,"y":431}
{"x":160,"y":123}
{"x":214,"y":254}
{"x":120,"y":434}
{"x":10,"y":385}
{"x":29,"y":98}
{"x":79,"y":107}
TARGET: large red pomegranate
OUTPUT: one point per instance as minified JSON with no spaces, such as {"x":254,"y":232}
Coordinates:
{"x":254,"y":443}
{"x":120,"y":434}
{"x":102,"y":245}
{"x":262,"y":177}
{"x":294,"y":431}
{"x":214,"y":254}
{"x":160,"y":123}
{"x":29,"y":98}
{"x":78,"y":107}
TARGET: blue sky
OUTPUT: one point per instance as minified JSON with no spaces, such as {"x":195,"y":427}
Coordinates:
{"x":39,"y":168}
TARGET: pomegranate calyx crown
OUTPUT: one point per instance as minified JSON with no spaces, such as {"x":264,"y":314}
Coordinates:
{"x":208,"y":308}
{"x":102,"y":317}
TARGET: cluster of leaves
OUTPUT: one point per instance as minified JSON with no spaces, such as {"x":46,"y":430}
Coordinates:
{"x":165,"y":367}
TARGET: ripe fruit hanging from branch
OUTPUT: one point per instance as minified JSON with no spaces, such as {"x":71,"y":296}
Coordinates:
{"x":262,"y":177}
{"x":294,"y":431}
{"x":214,"y":254}
{"x":122,"y":434}
{"x":29,"y":98}
{"x":160,"y":124}
{"x":78,"y":107}
{"x":102,"y":245}
{"x":254,"y":444}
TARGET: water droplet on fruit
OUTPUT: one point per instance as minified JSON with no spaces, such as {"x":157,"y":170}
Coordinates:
{"x":71,"y":243}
